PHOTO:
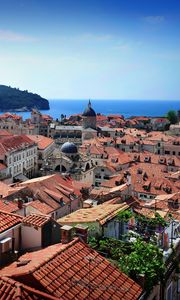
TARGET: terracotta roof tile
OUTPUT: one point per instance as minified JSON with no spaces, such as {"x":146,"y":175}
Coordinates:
{"x":10,"y":116}
{"x":42,"y":141}
{"x":14,"y":290}
{"x":4,"y":133}
{"x":36,"y":220}
{"x":8,"y":220}
{"x":8,"y":206}
{"x":51,"y":189}
{"x":64,"y":270}
{"x":14,"y":142}
{"x":100,"y":213}
{"x":41,"y":207}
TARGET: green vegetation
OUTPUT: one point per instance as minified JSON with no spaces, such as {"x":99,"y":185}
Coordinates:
{"x":154,"y":222}
{"x":138,"y":259}
{"x":144,"y":260}
{"x":125,"y":215}
{"x":172,"y":116}
{"x":14,"y":99}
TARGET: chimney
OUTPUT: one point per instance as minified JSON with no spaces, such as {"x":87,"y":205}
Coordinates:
{"x":82,"y":232}
{"x":20,"y":203}
{"x":66,"y":234}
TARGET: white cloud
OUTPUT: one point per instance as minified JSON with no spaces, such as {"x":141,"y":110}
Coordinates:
{"x":7,"y":35}
{"x":154,"y":19}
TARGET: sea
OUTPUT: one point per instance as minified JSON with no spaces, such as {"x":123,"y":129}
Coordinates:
{"x":127,"y":108}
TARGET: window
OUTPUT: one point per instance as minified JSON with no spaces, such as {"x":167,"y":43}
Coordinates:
{"x":174,"y":153}
{"x":166,"y":152}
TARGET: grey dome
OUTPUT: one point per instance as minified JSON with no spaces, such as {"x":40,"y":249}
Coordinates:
{"x":69,"y":148}
{"x":89,"y":112}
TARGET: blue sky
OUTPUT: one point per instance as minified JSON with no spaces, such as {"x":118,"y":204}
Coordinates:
{"x":98,"y":49}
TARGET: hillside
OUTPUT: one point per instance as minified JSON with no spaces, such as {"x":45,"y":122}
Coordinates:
{"x":12,"y":99}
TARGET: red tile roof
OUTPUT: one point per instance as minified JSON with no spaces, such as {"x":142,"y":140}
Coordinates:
{"x":4,"y":133}
{"x":100,"y":213}
{"x":14,"y":290}
{"x":8,"y":220}
{"x":73,"y":271}
{"x":36,"y":220}
{"x":43,"y":208}
{"x":42,"y":141}
{"x":53,"y":184}
{"x":8,"y":206}
{"x":10,"y":116}
{"x":46,"y":117}
{"x":14,"y":142}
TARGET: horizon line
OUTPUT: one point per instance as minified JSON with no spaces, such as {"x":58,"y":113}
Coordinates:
{"x":115,"y":99}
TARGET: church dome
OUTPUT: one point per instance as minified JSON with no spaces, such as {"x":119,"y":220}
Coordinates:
{"x":69,"y":148}
{"x":89,"y":112}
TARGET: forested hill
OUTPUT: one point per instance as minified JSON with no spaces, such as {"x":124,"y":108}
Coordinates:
{"x":12,"y":99}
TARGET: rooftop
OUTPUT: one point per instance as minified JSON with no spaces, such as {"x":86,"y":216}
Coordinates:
{"x":62,"y":270}
{"x":14,"y":142}
{"x":52,"y":189}
{"x":8,"y":206}
{"x":14,"y":290}
{"x":41,"y":207}
{"x":100,"y":213}
{"x":36,"y":220}
{"x":42,"y":141}
{"x":8,"y":220}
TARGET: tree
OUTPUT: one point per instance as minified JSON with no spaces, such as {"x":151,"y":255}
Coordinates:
{"x":145,"y":260}
{"x":137,"y":259}
{"x":172,"y":117}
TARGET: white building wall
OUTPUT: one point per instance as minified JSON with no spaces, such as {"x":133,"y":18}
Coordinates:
{"x":23,"y":159}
